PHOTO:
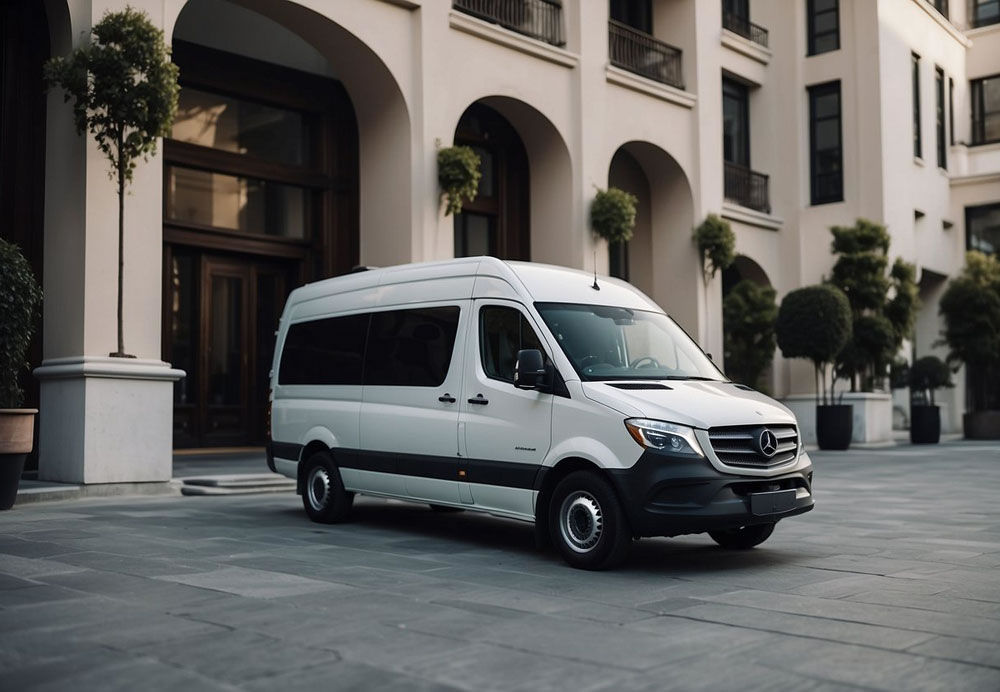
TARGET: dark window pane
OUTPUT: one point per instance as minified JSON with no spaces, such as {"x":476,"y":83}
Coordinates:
{"x":183,"y":317}
{"x":411,"y":347}
{"x":982,"y":228}
{"x":504,"y":332}
{"x":487,"y":166}
{"x":986,"y":110}
{"x":225,"y":342}
{"x":618,"y":260}
{"x":824,"y":5}
{"x":474,"y":235}
{"x":327,"y":351}
{"x":826,"y":153}
{"x":822,"y":26}
{"x":917,"y":146}
{"x":238,"y":126}
{"x":240,"y":204}
{"x":825,"y":23}
{"x":735,"y":123}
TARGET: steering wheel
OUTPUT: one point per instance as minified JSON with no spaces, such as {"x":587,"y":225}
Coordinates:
{"x":653,"y":363}
{"x":588,"y":361}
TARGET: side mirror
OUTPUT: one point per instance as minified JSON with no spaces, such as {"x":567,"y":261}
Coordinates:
{"x":529,"y":370}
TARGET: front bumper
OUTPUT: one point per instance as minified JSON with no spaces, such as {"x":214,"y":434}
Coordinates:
{"x":667,"y":495}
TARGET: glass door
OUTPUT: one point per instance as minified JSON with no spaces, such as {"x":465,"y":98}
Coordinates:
{"x":226,"y":354}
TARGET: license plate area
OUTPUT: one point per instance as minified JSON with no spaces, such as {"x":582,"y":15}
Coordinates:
{"x":775,"y":502}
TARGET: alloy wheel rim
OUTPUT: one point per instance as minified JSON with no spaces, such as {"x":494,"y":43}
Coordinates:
{"x":581,"y":521}
{"x":318,"y":488}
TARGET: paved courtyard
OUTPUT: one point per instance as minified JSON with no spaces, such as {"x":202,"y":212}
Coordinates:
{"x":893,"y":582}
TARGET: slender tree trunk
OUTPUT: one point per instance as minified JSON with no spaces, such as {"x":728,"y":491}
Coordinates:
{"x":120,"y":353}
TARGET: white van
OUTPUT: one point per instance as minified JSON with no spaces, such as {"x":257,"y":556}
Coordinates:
{"x":527,"y":391}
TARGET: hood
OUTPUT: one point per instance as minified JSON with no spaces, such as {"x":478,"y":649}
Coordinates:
{"x":698,"y":404}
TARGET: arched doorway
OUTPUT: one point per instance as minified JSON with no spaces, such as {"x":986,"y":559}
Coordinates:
{"x":260,"y":196}
{"x":749,"y":310}
{"x":498,"y":221}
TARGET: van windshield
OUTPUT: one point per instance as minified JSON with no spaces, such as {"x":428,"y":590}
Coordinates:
{"x":611,"y":343}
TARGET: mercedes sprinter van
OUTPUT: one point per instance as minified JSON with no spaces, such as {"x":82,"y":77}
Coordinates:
{"x":531,"y":392}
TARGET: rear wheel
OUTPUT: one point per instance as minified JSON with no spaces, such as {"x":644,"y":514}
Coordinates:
{"x":323,"y":496}
{"x":744,"y":537}
{"x":587,"y":522}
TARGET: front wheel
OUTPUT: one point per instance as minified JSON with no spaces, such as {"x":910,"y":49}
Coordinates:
{"x":744,"y":537}
{"x":587,"y":522}
{"x":323,"y":496}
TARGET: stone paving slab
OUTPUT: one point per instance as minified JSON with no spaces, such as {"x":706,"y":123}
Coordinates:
{"x":890,"y":584}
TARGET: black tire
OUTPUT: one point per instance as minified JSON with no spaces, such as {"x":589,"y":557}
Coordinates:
{"x":444,"y":509}
{"x":323,"y":495}
{"x":587,"y":522}
{"x":743,"y":538}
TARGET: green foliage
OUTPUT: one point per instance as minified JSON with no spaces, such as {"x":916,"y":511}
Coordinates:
{"x":458,"y":176}
{"x":19,"y":301}
{"x":880,"y":323}
{"x":929,"y":373}
{"x":716,"y":245}
{"x":123,"y":85}
{"x":814,"y":323}
{"x":899,"y":373}
{"x":612,"y":215}
{"x":748,"y":313}
{"x":971,"y":310}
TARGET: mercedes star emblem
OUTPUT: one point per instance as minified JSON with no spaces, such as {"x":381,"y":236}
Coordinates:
{"x":767,"y":443}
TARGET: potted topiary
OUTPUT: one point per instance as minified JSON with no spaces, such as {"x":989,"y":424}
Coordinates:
{"x":716,"y":245}
{"x":19,"y":296}
{"x":971,"y":310}
{"x":458,"y":176}
{"x":815,"y":323}
{"x":612,"y":215}
{"x":926,"y":375}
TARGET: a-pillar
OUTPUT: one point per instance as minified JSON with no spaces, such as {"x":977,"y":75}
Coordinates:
{"x":102,"y":419}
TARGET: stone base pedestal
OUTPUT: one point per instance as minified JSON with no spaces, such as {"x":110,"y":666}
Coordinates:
{"x":872,"y":415}
{"x":106,"y":420}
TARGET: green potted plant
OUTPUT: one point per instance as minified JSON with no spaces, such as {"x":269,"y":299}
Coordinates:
{"x":815,"y":323}
{"x":970,"y":307}
{"x":19,"y":297}
{"x":124,"y":91}
{"x":458,"y":176}
{"x":716,"y":245}
{"x":926,"y":374}
{"x":748,"y":315}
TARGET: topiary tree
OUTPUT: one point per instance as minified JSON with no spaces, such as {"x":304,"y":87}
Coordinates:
{"x":458,"y":176}
{"x":748,"y":315}
{"x":880,"y":324}
{"x":19,"y":301}
{"x":970,"y":307}
{"x":814,"y":323}
{"x":124,"y":89}
{"x":612,"y":215}
{"x":716,"y":245}
{"x":927,"y":374}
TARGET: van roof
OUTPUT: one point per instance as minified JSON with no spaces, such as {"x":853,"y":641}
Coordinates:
{"x":534,"y":281}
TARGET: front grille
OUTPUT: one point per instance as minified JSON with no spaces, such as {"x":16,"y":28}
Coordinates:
{"x":736,"y":445}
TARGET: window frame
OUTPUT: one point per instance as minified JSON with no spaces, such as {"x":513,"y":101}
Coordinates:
{"x":951,"y":110}
{"x":918,"y":145}
{"x":816,"y":91}
{"x":376,"y":314}
{"x":939,"y":115}
{"x":978,"y":107}
{"x":812,"y":34}
{"x":742,"y":93}
{"x":976,"y":22}
{"x":481,"y":330}
{"x":969,"y":212}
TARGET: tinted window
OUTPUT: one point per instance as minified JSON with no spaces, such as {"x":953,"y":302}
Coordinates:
{"x":327,"y":351}
{"x":823,"y":26}
{"x":411,"y":347}
{"x":826,"y":157}
{"x":502,"y":333}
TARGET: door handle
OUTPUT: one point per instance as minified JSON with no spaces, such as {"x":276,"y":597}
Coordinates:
{"x":479,"y":399}
{"x":446,"y":399}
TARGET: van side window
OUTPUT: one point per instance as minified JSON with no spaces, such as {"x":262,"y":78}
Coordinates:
{"x":326,"y":351}
{"x":411,"y":347}
{"x":502,"y":333}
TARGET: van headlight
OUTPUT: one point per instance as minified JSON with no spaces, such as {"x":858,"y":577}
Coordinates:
{"x":660,"y":435}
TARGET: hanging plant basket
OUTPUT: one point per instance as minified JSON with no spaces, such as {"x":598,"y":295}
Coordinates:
{"x":612,"y":215}
{"x":716,"y":244}
{"x":458,"y":176}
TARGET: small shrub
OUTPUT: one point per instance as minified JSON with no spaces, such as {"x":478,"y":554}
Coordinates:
{"x":814,"y":323}
{"x":927,"y":374}
{"x":19,"y":301}
{"x":458,"y":176}
{"x":716,"y":245}
{"x":748,"y":316}
{"x":612,"y":215}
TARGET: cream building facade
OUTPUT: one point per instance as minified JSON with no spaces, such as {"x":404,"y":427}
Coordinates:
{"x":306,"y":144}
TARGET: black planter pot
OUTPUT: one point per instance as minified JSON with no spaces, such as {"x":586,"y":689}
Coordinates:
{"x":11,"y":466}
{"x":925,"y":424}
{"x":834,"y":426}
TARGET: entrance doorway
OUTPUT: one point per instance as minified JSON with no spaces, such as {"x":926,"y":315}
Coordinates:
{"x":222,"y":312}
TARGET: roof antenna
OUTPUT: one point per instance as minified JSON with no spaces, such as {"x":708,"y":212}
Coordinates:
{"x":595,"y":286}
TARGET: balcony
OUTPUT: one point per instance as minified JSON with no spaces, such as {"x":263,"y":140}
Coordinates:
{"x":537,"y":19}
{"x":745,"y":28}
{"x":644,"y":55}
{"x":746,"y":187}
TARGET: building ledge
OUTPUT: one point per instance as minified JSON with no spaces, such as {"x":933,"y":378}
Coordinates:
{"x":952,"y":30}
{"x":975,"y":179}
{"x":751,"y":217}
{"x":664,"y":92}
{"x":107,"y":368}
{"x":512,"y":39}
{"x":745,"y":46}
{"x":979,"y":31}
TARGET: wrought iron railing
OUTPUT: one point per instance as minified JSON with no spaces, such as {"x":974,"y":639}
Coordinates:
{"x":745,"y":28}
{"x":639,"y":52}
{"x":746,"y":187}
{"x":539,"y":19}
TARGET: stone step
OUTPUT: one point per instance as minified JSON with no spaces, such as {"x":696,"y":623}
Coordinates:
{"x":236,"y":484}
